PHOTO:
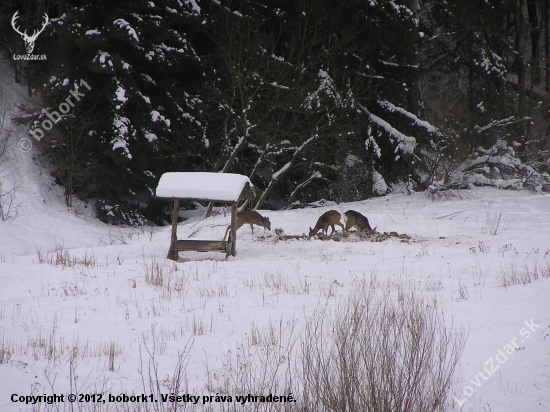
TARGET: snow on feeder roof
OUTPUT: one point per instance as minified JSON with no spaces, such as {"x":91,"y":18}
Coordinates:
{"x":216,"y":187}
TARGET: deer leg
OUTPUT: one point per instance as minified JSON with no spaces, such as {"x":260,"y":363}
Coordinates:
{"x":252,"y":228}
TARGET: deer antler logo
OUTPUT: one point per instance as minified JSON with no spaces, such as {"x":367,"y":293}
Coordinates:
{"x":29,"y":40}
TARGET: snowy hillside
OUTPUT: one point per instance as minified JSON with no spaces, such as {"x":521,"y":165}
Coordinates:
{"x":85,"y":307}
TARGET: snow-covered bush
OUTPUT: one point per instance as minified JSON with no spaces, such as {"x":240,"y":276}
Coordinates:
{"x":499,"y":166}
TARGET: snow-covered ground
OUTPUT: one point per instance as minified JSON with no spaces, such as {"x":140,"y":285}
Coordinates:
{"x":79,"y":308}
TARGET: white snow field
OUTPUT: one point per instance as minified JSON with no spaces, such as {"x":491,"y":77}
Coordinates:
{"x":82,"y":309}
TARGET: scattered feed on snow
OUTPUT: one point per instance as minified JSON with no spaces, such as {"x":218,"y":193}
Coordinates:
{"x":355,"y":236}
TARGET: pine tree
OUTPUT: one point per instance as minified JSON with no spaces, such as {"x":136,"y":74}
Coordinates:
{"x":142,"y":70}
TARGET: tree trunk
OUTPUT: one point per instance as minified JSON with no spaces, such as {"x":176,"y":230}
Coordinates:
{"x":520,"y":43}
{"x":413,"y":93}
{"x":546,"y":49}
{"x":63,"y":40}
{"x":535,"y":36}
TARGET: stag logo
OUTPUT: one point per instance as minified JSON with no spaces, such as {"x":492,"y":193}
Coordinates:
{"x":29,"y":40}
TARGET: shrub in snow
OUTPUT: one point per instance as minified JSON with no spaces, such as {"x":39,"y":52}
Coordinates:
{"x":118,"y":214}
{"x":389,"y":351}
{"x":379,"y":185}
{"x":498,"y":166}
{"x":353,"y":180}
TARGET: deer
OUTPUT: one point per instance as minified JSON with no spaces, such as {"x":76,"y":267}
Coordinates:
{"x":330,"y":218}
{"x":29,"y":40}
{"x":252,"y":218}
{"x":356,"y":220}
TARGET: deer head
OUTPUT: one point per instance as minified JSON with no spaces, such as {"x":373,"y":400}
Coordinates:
{"x":29,"y":40}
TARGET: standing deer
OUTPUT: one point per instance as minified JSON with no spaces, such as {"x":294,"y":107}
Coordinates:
{"x":251,"y":217}
{"x":330,"y":218}
{"x":356,"y":220}
{"x":29,"y":40}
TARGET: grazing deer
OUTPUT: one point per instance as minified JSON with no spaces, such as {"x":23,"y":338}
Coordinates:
{"x":251,"y":217}
{"x":29,"y":40}
{"x":330,"y":218}
{"x":356,"y":220}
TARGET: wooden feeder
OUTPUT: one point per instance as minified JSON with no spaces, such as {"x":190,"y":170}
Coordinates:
{"x":226,"y":188}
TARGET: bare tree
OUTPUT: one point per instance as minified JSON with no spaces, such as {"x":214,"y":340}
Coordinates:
{"x":276,"y":104}
{"x":8,"y":182}
{"x":74,"y":167}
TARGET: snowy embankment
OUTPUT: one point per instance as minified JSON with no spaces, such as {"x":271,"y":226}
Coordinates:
{"x":83,"y":299}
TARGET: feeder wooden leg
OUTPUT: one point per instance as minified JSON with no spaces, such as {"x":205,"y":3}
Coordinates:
{"x":172,"y":254}
{"x":228,"y":245}
{"x":233,"y":229}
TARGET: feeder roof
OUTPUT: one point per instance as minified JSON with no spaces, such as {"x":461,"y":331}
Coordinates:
{"x":214,"y":187}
